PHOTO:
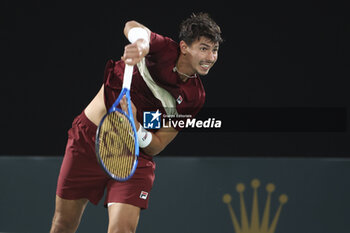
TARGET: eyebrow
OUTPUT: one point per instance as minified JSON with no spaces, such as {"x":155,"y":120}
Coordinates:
{"x":206,"y":45}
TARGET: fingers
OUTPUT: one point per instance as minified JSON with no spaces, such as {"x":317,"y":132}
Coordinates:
{"x":132,"y":54}
{"x":124,"y":105}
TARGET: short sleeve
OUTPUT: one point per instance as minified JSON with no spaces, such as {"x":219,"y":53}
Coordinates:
{"x":158,"y":43}
{"x":162,"y":49}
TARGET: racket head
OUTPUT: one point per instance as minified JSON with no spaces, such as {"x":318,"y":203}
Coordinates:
{"x":116,"y":145}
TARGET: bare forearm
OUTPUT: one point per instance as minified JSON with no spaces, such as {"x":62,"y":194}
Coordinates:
{"x":160,"y":140}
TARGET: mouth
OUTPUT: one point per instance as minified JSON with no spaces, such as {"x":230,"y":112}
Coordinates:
{"x":205,"y":66}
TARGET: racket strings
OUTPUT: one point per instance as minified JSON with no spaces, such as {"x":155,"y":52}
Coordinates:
{"x":117,"y":145}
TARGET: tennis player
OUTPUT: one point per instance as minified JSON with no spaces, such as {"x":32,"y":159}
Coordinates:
{"x":165,"y":78}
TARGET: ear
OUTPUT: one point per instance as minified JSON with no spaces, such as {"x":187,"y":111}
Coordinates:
{"x":183,"y":47}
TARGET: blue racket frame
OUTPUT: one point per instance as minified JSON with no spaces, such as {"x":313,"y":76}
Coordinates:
{"x":130,"y":117}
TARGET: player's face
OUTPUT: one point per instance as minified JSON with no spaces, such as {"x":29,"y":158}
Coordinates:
{"x":203,"y":55}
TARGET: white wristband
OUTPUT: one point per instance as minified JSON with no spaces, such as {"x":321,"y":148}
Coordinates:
{"x":138,"y":33}
{"x":144,"y":137}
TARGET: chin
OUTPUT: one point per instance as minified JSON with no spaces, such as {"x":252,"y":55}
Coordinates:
{"x":203,"y":73}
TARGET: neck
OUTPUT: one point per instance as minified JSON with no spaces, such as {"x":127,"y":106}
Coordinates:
{"x":183,"y":69}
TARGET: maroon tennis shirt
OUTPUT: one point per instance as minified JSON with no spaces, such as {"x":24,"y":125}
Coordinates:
{"x":189,"y":96}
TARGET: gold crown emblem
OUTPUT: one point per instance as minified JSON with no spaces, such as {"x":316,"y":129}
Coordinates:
{"x":255,"y":226}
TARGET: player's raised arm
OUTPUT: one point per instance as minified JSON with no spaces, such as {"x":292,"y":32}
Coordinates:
{"x":139,"y":37}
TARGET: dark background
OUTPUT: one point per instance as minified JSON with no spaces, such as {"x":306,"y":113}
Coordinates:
{"x":280,"y":57}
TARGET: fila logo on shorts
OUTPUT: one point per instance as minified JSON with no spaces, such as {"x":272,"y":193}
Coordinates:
{"x":143,"y":195}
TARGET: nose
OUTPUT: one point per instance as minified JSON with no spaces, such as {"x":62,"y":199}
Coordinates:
{"x":211,"y":56}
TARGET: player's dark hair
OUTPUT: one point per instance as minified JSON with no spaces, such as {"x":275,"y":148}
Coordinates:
{"x":199,"y":25}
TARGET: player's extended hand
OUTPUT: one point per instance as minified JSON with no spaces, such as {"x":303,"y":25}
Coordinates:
{"x":133,"y":53}
{"x":124,"y":106}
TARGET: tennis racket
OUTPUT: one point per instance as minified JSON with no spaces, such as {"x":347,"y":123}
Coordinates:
{"x":116,"y":144}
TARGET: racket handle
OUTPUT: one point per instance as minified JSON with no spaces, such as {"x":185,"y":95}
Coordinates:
{"x":127,"y":76}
